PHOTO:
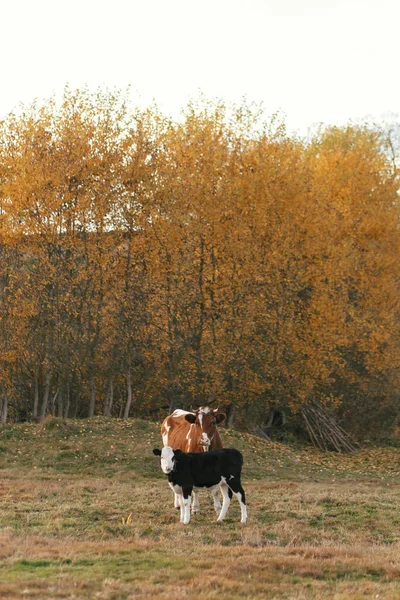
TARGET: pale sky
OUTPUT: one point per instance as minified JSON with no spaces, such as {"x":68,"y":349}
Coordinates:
{"x":315,"y":61}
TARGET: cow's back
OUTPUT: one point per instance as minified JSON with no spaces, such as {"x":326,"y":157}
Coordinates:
{"x":207,"y":469}
{"x":175,"y":429}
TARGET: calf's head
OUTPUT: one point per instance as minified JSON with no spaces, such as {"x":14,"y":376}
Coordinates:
{"x":168,"y":457}
{"x":206,"y":420}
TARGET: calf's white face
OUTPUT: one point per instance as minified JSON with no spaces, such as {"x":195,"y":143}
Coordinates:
{"x":167,"y":459}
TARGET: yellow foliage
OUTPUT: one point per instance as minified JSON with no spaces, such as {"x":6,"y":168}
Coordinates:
{"x":211,"y":257}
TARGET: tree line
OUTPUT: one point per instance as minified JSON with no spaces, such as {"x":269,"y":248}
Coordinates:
{"x":147,"y":262}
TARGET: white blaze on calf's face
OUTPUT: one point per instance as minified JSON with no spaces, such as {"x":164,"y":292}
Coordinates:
{"x":167,"y":462}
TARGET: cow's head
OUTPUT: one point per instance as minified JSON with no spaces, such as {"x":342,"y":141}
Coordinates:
{"x":206,"y":419}
{"x":168,"y":458}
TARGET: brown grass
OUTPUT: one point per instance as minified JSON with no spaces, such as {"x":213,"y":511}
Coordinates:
{"x":62,"y":532}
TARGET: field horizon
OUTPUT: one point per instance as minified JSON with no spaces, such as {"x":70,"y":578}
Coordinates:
{"x":87,"y":513}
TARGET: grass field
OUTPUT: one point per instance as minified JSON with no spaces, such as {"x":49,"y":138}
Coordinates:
{"x":320,"y":526}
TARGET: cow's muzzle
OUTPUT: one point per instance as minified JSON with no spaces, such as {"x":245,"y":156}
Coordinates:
{"x":204,"y":442}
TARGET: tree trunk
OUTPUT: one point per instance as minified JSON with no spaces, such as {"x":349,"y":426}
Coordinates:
{"x":231,"y":415}
{"x":92,"y":397}
{"x":109,"y":399}
{"x":60,"y":403}
{"x":4,"y":408}
{"x":53,"y":402}
{"x":36,"y":398}
{"x":46,"y":395}
{"x":129,"y":388}
{"x":198,"y":337}
{"x":68,"y":401}
{"x":76,"y":404}
{"x":231,"y":408}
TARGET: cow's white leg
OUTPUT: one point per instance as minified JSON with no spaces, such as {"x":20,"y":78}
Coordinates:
{"x":176,"y":496}
{"x":196,"y":503}
{"x":184,"y":504}
{"x":182,"y":507}
{"x":186,"y":509}
{"x":243,"y":507}
{"x":225,"y":502}
{"x":178,"y":493}
{"x":217,"y":502}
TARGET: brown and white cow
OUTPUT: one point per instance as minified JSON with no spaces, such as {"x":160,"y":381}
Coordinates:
{"x":194,"y":432}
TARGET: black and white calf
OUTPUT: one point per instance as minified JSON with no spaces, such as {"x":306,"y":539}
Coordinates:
{"x":216,"y":469}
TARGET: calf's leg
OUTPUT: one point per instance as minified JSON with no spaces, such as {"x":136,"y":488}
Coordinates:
{"x":217,"y":501}
{"x":238,"y":491}
{"x":177,"y":503}
{"x":186,"y":499}
{"x":196,"y":503}
{"x":225,"y":502}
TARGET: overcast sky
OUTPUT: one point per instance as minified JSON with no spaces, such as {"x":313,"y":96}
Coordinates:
{"x":326,"y":61}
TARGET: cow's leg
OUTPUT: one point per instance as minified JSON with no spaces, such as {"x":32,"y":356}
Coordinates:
{"x":217,"y":502}
{"x":225,"y":502}
{"x":186,"y":500}
{"x":181,"y":506}
{"x":240,"y":495}
{"x":196,"y":503}
{"x":179,"y":495}
{"x":177,"y":503}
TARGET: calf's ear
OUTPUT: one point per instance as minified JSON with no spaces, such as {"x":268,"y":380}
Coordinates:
{"x":220,"y":418}
{"x":157,"y":451}
{"x":190,"y":418}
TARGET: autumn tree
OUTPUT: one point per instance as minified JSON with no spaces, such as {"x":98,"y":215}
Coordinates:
{"x":147,"y":262}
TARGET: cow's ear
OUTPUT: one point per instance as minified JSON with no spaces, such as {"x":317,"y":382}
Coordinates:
{"x":220,"y":418}
{"x":157,"y":451}
{"x":190,"y":418}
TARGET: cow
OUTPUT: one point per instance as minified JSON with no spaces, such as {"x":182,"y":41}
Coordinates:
{"x":216,"y":469}
{"x":194,"y":432}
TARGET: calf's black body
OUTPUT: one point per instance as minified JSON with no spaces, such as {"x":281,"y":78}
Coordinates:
{"x":217,"y":469}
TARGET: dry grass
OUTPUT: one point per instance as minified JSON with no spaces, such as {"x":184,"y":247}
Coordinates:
{"x":315,"y":530}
